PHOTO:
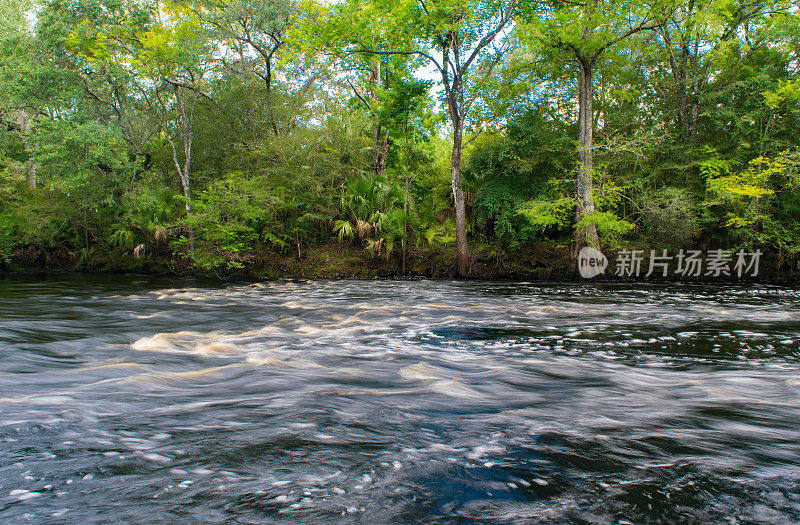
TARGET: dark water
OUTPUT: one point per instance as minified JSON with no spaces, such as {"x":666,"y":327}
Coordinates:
{"x":138,"y":400}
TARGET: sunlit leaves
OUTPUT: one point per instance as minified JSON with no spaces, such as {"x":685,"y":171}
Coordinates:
{"x":787,"y":92}
{"x":179,"y":41}
{"x":14,"y":16}
{"x":93,"y":47}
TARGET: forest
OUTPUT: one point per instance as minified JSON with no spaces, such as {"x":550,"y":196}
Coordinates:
{"x":415,"y":137}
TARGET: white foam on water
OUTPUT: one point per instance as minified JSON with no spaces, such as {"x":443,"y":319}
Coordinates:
{"x":372,"y":307}
{"x":748,"y":333}
{"x":353,"y":320}
{"x":166,"y":342}
{"x":208,"y":344}
{"x":282,"y":360}
{"x":216,"y":348}
{"x":422,"y":371}
{"x":281,"y":483}
{"x":481,"y":451}
{"x":157,"y":458}
{"x":43,"y":399}
{"x":298,"y":305}
{"x":299,"y":425}
{"x":266,"y":330}
{"x":453,"y":388}
{"x":107,"y":366}
{"x":258,"y":360}
{"x":308,"y":329}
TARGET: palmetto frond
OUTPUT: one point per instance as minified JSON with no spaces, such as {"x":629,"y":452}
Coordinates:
{"x":344,"y":229}
{"x":123,"y":238}
{"x":374,"y":246}
{"x":363,"y":228}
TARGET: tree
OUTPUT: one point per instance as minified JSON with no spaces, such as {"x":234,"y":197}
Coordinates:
{"x":255,"y":33}
{"x":19,"y":105}
{"x":461,"y":40}
{"x":693,"y":37}
{"x":377,"y":79}
{"x":97,"y":42}
{"x":405,"y":96}
{"x":176,"y":57}
{"x":582,"y":32}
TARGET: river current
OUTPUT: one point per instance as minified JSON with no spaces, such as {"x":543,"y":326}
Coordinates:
{"x":129,"y":399}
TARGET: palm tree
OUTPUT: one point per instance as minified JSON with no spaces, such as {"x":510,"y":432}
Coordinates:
{"x":150,"y":219}
{"x":365,"y":204}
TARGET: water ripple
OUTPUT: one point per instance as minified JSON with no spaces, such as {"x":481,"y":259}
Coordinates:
{"x":148,"y":399}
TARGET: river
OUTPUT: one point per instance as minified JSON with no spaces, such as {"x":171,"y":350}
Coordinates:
{"x":130,"y":399}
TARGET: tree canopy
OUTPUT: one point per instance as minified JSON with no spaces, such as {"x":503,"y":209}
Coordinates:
{"x":209,"y":133}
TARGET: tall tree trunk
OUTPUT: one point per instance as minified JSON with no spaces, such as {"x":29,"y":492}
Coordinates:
{"x":684,"y":125}
{"x":268,"y":86}
{"x":30,"y":166}
{"x":405,"y":201}
{"x":686,"y":128}
{"x":585,"y":234}
{"x":381,"y":147}
{"x":462,"y":247}
{"x":683,"y":103}
{"x":188,"y":139}
{"x":187,"y":136}
{"x":376,"y":145}
{"x":183,"y":175}
{"x":187,"y":193}
{"x":696,"y":86}
{"x":380,"y":138}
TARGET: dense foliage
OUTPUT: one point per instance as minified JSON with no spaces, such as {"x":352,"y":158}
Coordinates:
{"x":215,"y":131}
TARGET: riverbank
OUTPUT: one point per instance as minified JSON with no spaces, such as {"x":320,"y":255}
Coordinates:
{"x":540,"y":261}
{"x":318,"y":261}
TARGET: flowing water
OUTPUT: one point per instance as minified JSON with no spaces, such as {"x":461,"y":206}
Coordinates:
{"x":145,"y":400}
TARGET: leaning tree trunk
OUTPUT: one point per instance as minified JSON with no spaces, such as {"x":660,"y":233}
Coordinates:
{"x":462,"y":247}
{"x":187,"y":136}
{"x":585,"y":234}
